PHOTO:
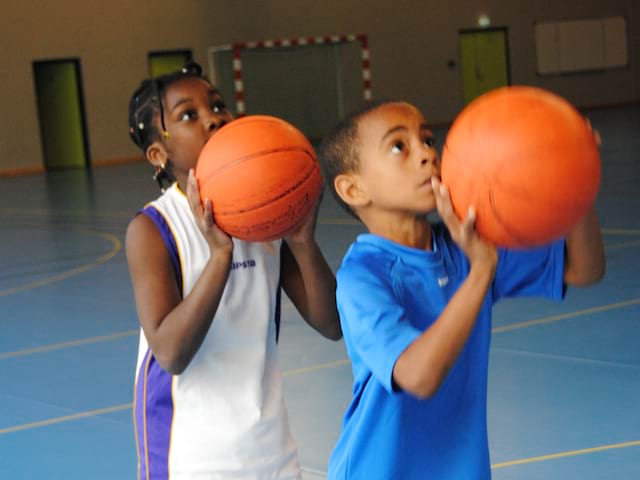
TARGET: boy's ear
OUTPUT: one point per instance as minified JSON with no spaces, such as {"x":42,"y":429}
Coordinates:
{"x":157,"y":154}
{"x":350,"y":190}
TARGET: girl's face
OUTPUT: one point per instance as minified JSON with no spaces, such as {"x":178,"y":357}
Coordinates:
{"x":193,"y":111}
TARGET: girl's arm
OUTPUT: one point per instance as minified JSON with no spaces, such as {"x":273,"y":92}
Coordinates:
{"x":176,"y":327}
{"x":308,"y":281}
{"x":311,"y":286}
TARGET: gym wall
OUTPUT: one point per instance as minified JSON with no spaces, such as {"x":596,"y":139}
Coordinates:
{"x":413,"y":44}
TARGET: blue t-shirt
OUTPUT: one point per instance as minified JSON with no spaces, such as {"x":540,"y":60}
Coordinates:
{"x":387,"y":295}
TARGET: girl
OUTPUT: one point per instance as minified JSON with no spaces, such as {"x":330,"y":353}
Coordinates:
{"x":208,"y":399}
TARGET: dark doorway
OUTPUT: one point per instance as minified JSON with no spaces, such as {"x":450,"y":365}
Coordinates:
{"x":61,"y":115}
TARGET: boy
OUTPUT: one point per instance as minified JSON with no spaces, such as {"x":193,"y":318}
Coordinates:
{"x":415,"y":302}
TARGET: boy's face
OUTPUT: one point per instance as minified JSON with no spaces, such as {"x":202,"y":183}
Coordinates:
{"x":397,"y":158}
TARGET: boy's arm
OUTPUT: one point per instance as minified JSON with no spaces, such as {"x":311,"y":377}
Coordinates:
{"x":423,"y":366}
{"x":585,"y":259}
{"x":308,"y":280}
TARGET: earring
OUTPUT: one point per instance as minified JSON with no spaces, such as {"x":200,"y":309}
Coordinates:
{"x":165,"y":135}
{"x":158,"y":171}
{"x":159,"y":174}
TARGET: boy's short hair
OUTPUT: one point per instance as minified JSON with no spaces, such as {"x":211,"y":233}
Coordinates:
{"x":339,"y":153}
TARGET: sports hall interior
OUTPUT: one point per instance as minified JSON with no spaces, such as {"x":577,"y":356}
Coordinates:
{"x":564,"y":379}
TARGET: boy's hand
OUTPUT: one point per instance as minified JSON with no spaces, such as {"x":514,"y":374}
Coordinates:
{"x":463,"y":232}
{"x":596,"y":133}
{"x":215,"y":237}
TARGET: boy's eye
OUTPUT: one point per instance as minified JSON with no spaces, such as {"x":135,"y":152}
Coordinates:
{"x":397,"y":147}
{"x":429,"y":141}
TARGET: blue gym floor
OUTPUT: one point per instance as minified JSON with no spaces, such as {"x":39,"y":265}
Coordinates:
{"x":564,"y":386}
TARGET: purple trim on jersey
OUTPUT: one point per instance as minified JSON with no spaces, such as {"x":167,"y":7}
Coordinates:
{"x":170,"y":242}
{"x":278,"y":310}
{"x":154,"y":408}
{"x":139,"y":418}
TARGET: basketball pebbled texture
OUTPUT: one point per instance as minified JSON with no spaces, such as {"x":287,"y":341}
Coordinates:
{"x":526,"y":160}
{"x":261,"y":175}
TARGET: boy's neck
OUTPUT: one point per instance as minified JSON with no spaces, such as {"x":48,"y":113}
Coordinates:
{"x":412,"y":232}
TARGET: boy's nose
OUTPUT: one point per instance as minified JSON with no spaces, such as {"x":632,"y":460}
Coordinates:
{"x":430,"y":157}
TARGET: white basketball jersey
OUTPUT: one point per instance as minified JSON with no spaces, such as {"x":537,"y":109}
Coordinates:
{"x":224,"y":416}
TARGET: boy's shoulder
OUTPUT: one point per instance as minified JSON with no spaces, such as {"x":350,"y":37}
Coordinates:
{"x":368,"y":246}
{"x":366,"y":252}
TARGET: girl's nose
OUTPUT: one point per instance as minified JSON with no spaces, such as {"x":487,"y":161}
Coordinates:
{"x":214,"y":122}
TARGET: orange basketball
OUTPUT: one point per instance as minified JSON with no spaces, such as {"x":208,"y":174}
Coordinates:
{"x":526,"y":160}
{"x":261,"y":175}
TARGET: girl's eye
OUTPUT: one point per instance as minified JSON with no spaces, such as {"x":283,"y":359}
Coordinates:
{"x":188,"y":115}
{"x":429,"y":141}
{"x":397,"y":147}
{"x":219,"y":107}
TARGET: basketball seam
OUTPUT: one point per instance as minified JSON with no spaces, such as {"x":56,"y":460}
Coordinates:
{"x":266,"y":202}
{"x":254,"y":155}
{"x":517,"y":236}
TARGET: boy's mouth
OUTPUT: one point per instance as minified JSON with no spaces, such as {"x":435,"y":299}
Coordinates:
{"x":426,"y":184}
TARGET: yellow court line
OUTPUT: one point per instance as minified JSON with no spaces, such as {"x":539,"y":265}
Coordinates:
{"x":621,"y":231}
{"x":565,"y":316}
{"x":117,"y":246}
{"x":314,"y":368}
{"x":73,"y":343}
{"x":515,"y":326}
{"x":128,"y":406}
{"x":102,"y":411}
{"x":66,"y":418}
{"x":571,"y":453}
{"x":321,"y":220}
{"x":615,"y":246}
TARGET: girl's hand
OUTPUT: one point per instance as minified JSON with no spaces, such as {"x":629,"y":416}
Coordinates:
{"x":305,"y":231}
{"x":215,"y":237}
{"x":463,"y":232}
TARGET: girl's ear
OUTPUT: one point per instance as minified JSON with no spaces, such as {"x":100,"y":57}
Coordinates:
{"x":157,"y":154}
{"x":350,"y":190}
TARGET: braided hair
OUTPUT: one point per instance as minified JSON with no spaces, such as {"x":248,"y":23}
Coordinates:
{"x":146,"y":103}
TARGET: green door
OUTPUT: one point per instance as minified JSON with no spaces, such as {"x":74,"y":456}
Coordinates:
{"x":168,"y":61}
{"x":61,"y":113}
{"x":484,"y":60}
